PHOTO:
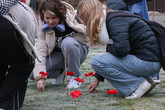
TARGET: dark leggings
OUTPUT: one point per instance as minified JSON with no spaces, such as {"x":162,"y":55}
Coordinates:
{"x":15,"y":67}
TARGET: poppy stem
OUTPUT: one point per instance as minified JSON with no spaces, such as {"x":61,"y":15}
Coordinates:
{"x":111,"y":100}
{"x":66,"y":71}
{"x":77,"y":102}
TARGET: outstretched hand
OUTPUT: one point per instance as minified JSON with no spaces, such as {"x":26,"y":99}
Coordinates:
{"x":92,"y":87}
{"x":41,"y":84}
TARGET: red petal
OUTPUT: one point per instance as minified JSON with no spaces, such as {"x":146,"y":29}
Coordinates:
{"x":93,"y":74}
{"x":41,"y":72}
{"x":88,"y":74}
{"x":112,"y":92}
{"x":70,"y":73}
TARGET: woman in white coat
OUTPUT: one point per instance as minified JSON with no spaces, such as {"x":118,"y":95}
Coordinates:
{"x":59,"y":29}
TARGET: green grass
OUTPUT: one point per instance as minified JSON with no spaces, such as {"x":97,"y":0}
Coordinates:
{"x":55,"y":97}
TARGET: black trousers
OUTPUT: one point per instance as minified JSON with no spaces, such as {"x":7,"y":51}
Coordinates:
{"x":15,"y":67}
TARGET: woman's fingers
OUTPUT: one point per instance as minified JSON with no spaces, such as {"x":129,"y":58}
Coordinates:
{"x":41,"y":85}
{"x":92,"y":88}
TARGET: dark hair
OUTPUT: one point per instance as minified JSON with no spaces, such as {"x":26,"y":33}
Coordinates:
{"x":55,"y":6}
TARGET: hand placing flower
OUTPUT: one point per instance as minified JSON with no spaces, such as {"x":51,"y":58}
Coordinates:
{"x":41,"y":84}
{"x":92,"y":87}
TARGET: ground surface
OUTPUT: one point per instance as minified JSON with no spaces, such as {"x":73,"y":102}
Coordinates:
{"x":55,"y":97}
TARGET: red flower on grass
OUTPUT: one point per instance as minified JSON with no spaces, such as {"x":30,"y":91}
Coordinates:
{"x":75,"y":94}
{"x":70,"y":73}
{"x":93,"y":74}
{"x":43,"y":74}
{"x":79,"y":80}
{"x":112,"y":92}
{"x":88,"y":74}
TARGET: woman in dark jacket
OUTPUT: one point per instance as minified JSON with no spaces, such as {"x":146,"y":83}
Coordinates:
{"x":134,"y":54}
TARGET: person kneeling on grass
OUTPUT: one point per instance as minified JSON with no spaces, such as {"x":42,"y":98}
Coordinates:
{"x":59,"y":29}
{"x":133,"y":55}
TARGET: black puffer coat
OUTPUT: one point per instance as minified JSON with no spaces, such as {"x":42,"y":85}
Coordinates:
{"x":131,"y":36}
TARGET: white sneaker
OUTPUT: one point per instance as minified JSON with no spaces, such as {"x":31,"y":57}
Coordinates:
{"x":153,"y":84}
{"x":59,"y":80}
{"x":140,"y":91}
{"x":156,"y":79}
{"x":73,"y":83}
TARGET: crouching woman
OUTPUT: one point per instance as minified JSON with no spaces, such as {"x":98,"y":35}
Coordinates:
{"x":134,"y":54}
{"x":59,"y":29}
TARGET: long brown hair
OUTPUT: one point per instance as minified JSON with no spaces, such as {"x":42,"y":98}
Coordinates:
{"x":90,"y":12}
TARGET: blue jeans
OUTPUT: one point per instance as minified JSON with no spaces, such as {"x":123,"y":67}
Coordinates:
{"x":140,"y":8}
{"x":125,"y":73}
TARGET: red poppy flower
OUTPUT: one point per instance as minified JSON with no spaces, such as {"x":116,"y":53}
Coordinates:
{"x":79,"y":80}
{"x":88,"y":74}
{"x":70,"y":73}
{"x":112,"y":92}
{"x":75,"y":94}
{"x":23,"y":1}
{"x":93,"y":74}
{"x":43,"y":74}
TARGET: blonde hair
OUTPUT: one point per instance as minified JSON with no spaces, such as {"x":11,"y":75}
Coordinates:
{"x":90,"y":12}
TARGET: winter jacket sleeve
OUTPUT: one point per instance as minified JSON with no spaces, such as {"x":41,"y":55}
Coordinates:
{"x":43,"y":52}
{"x":99,"y":77}
{"x":118,"y":29}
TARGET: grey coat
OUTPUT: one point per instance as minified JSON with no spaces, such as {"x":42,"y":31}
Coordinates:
{"x":24,"y":20}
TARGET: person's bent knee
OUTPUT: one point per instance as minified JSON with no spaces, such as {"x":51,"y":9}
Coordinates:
{"x":69,"y":43}
{"x":95,"y":60}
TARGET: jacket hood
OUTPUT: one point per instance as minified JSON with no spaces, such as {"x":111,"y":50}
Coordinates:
{"x":116,"y":5}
